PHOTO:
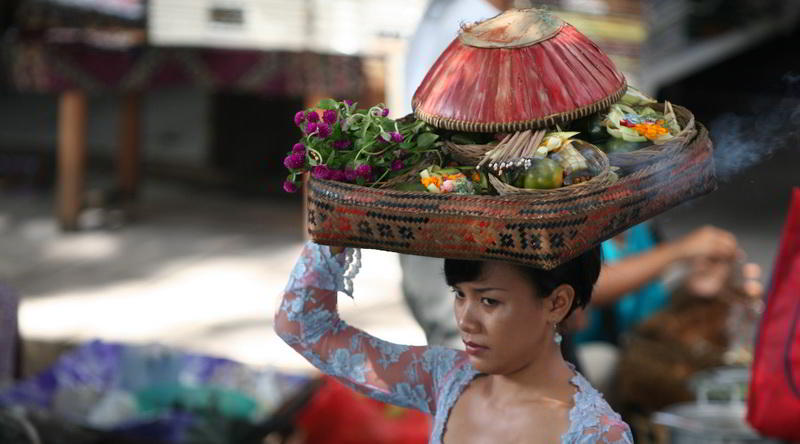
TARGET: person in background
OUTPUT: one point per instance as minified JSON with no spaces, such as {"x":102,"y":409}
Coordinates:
{"x":630,"y":288}
{"x":424,"y":290}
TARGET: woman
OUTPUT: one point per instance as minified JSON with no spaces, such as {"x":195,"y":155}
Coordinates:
{"x":511,"y":384}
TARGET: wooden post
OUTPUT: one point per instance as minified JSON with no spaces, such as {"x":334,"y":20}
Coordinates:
{"x":129,"y":145}
{"x":71,"y":157}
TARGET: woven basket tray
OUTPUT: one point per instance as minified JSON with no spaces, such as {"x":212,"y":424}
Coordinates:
{"x":472,"y":154}
{"x":634,"y":160}
{"x":601,"y":181}
{"x":540,"y":231}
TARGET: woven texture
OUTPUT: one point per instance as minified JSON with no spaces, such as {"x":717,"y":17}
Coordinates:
{"x":600,"y":181}
{"x":536,"y":230}
{"x":508,"y":89}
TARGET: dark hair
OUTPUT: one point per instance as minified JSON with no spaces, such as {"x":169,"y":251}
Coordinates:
{"x":580,"y":273}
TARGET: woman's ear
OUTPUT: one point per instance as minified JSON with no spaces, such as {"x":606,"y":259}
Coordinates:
{"x":557,"y":305}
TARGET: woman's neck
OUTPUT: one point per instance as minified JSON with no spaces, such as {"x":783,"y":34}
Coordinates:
{"x":547,"y":377}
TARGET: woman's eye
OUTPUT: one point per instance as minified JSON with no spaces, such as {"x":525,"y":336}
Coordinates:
{"x":489,"y":302}
{"x":458,"y":294}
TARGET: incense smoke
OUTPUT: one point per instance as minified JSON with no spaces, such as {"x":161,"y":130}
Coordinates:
{"x":743,"y":141}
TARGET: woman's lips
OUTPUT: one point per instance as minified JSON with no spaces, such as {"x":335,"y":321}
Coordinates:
{"x":474,"y":349}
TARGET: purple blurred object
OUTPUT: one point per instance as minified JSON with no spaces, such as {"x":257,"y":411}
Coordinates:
{"x":85,"y":387}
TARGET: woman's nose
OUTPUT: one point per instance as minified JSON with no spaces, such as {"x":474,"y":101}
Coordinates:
{"x":466,"y":319}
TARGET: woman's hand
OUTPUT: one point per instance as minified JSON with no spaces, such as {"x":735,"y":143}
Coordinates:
{"x":707,"y":243}
{"x":708,"y":277}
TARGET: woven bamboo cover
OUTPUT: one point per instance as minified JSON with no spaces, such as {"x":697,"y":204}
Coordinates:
{"x":540,"y":231}
{"x":520,"y":70}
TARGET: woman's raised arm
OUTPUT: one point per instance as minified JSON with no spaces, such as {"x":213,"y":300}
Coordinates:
{"x":307,"y":320}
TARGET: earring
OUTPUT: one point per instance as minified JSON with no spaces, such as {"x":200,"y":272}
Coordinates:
{"x":557,"y":338}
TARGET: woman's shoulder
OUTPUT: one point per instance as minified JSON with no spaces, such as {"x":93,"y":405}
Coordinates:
{"x":592,"y":420}
{"x":443,"y":362}
{"x":451,"y":372}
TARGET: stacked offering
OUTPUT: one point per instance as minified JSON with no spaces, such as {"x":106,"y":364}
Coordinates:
{"x":526,"y":145}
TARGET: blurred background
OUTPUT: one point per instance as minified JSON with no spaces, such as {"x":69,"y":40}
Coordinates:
{"x":141,"y":146}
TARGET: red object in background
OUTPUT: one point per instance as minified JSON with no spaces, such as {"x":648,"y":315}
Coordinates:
{"x":774,"y":402}
{"x":339,"y":415}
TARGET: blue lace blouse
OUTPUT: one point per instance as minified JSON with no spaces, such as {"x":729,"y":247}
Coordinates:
{"x":430,"y":379}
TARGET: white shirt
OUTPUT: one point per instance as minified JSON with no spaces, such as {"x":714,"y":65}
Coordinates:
{"x":438,"y":27}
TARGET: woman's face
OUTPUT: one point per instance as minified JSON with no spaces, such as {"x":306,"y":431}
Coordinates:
{"x":504,"y":324}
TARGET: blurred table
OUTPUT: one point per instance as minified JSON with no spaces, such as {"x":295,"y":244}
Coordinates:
{"x":82,"y":63}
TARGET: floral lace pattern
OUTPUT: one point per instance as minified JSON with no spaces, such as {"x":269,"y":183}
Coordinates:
{"x":430,"y":379}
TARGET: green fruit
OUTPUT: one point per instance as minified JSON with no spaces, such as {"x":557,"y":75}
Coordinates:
{"x":543,"y":174}
{"x":616,"y":145}
{"x":484,"y":184}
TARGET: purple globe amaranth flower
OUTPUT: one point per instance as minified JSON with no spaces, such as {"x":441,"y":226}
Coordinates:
{"x":350,"y":175}
{"x":330,"y":116}
{"x":384,"y":137}
{"x":348,"y":102}
{"x":385,"y":112}
{"x":312,"y":116}
{"x":396,"y":137}
{"x":397,"y":164}
{"x":337,"y":175}
{"x":342,"y":144}
{"x":294,"y":161}
{"x":321,"y":172}
{"x":299,"y":118}
{"x":323,"y":130}
{"x":364,"y":171}
{"x":299,"y":148}
{"x":311,"y":128}
{"x":289,"y":186}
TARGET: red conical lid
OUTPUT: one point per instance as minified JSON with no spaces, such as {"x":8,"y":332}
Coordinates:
{"x":519,"y":70}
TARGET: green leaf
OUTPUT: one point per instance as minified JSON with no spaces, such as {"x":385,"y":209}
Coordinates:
{"x":327,"y":104}
{"x":462,"y":139}
{"x":416,"y":126}
{"x":425,"y":140}
{"x":361,"y":143}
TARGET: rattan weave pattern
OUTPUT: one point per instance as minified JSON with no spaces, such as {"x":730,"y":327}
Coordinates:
{"x":540,"y":231}
{"x":510,"y":127}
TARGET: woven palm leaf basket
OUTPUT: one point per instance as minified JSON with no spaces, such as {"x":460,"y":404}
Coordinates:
{"x":520,"y":72}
